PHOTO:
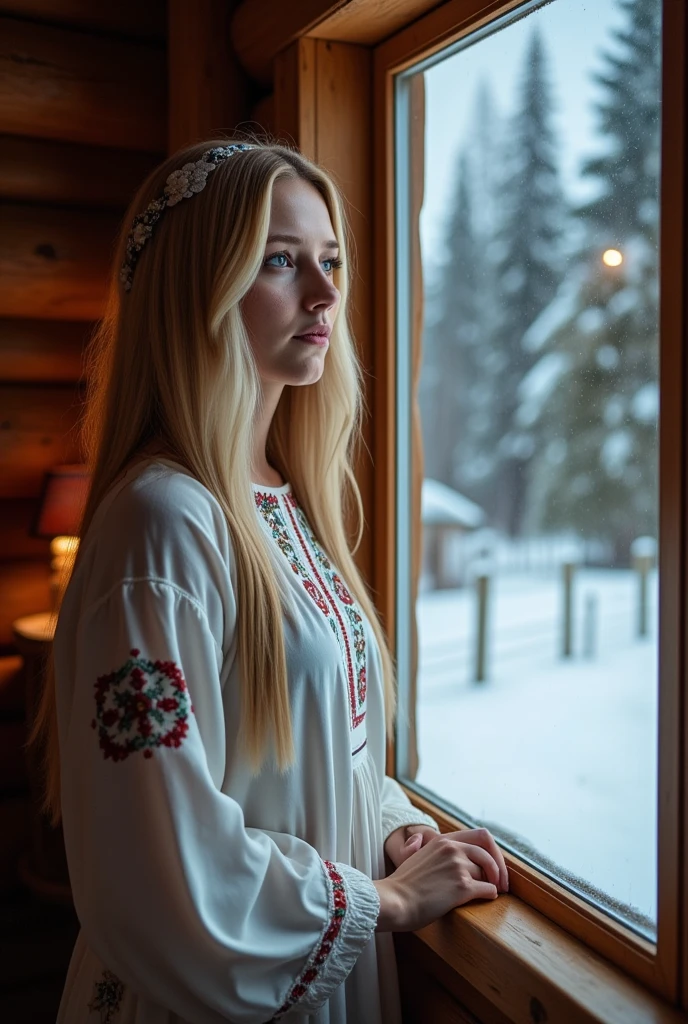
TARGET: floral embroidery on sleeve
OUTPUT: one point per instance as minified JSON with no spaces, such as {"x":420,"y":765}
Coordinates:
{"x":107,"y":996}
{"x":337,"y":894}
{"x":141,"y":705}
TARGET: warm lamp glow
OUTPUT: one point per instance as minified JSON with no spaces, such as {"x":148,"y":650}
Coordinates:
{"x":61,"y":502}
{"x":612,"y":258}
{"x":58,"y":517}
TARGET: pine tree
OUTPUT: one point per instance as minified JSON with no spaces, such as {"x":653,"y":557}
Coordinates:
{"x":449,"y":338}
{"x":474,"y":461}
{"x":527,"y":275}
{"x":597,"y":474}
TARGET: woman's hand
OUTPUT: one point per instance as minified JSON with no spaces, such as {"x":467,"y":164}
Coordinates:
{"x":442,"y":874}
{"x":404,"y":841}
{"x":409,"y":839}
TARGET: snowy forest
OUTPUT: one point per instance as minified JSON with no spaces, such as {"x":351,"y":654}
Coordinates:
{"x":539,"y":385}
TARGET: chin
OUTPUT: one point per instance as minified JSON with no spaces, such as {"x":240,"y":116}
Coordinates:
{"x":309,"y":378}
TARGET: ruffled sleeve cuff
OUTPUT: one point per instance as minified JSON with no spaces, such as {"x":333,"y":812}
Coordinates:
{"x":396,"y":815}
{"x":354,"y":907}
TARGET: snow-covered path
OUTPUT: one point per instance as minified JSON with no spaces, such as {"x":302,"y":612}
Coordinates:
{"x":562,"y":753}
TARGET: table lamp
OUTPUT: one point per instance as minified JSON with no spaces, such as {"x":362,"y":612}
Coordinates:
{"x":62,"y":499}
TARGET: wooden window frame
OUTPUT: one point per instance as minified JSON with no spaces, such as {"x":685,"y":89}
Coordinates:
{"x":538,"y":949}
{"x":657,"y":968}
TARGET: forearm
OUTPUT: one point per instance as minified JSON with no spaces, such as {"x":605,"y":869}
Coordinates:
{"x":389,"y":918}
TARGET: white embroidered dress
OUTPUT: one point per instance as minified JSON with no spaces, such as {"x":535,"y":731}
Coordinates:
{"x":205,"y":895}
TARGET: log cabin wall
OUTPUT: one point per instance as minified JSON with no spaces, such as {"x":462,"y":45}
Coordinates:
{"x":83,"y":118}
{"x":85,"y":112}
{"x":92,"y":97}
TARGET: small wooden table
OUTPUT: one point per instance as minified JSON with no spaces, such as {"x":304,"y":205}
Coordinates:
{"x":43,"y":866}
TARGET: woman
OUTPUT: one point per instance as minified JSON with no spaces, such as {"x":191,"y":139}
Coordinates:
{"x":220,"y":693}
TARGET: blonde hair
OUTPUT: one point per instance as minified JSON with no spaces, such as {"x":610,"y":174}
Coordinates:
{"x":175,"y":353}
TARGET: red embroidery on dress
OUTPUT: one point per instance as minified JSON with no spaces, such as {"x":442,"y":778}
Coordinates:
{"x":355,"y":618}
{"x":269,"y":506}
{"x":142,"y":705}
{"x":318,"y":958}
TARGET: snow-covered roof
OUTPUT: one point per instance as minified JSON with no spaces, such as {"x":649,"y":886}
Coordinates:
{"x":443,"y":506}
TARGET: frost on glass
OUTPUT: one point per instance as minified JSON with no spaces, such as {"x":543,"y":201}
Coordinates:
{"x":537,"y":610}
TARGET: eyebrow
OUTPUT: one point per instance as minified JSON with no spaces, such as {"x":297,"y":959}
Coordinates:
{"x":331,"y":244}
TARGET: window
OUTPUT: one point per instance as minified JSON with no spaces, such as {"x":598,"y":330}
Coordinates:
{"x":527,"y":223}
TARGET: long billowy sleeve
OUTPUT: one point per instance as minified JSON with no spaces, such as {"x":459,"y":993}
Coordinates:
{"x":397,"y":809}
{"x":212,"y":919}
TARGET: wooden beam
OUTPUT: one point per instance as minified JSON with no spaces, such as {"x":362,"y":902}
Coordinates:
{"x":672,"y":737}
{"x":416,"y":132}
{"x":261,"y":28}
{"x":367,"y":24}
{"x":129,"y":17}
{"x":42,"y":351}
{"x":384,"y":328}
{"x":207,"y":85}
{"x":343,"y":145}
{"x":294,"y":96}
{"x":54,"y":263}
{"x":322,"y":104}
{"x":38,"y":429}
{"x":444,"y":25}
{"x":62,"y":84}
{"x":46,"y":171}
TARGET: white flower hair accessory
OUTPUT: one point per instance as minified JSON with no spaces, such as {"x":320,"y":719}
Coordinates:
{"x":181,"y":184}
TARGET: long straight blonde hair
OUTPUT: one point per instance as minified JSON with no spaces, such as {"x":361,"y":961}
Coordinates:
{"x":175,"y":353}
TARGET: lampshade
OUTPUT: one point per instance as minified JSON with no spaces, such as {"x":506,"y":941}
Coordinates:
{"x":62,"y":500}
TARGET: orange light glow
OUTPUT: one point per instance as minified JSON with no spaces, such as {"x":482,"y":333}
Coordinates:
{"x":612,"y":258}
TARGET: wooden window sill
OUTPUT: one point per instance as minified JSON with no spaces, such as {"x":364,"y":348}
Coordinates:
{"x":532,"y":970}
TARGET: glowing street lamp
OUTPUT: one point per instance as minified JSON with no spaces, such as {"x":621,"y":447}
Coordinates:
{"x":612,"y":258}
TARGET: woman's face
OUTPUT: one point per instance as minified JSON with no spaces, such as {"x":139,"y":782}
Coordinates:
{"x":294,"y":291}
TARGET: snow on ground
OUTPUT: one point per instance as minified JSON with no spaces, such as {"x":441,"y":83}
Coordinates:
{"x":561,"y":752}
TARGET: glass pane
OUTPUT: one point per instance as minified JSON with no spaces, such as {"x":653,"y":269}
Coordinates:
{"x":536,"y":150}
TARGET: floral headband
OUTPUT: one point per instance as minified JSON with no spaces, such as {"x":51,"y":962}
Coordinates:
{"x":181,"y":184}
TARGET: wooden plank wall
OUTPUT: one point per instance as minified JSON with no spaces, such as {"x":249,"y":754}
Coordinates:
{"x":92,"y":97}
{"x":85,"y":113}
{"x":83,"y":118}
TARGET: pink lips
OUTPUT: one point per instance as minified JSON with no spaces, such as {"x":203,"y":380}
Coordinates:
{"x":314,"y":339}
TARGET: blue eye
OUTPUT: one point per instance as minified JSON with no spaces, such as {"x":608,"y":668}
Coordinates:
{"x":276,"y":256}
{"x":333,"y":260}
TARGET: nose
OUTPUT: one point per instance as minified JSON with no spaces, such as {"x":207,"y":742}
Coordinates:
{"x":320,"y":293}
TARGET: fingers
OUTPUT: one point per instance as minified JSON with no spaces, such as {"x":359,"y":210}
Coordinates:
{"x":485,"y":860}
{"x":475,"y":871}
{"x":411,"y":846}
{"x":413,"y":843}
{"x":482,"y":837}
{"x":485,"y":891}
{"x":424,"y":831}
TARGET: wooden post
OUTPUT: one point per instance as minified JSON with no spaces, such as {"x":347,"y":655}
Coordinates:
{"x":643,"y":554}
{"x":568,"y":571}
{"x":482,"y":584}
{"x":643,"y":568}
